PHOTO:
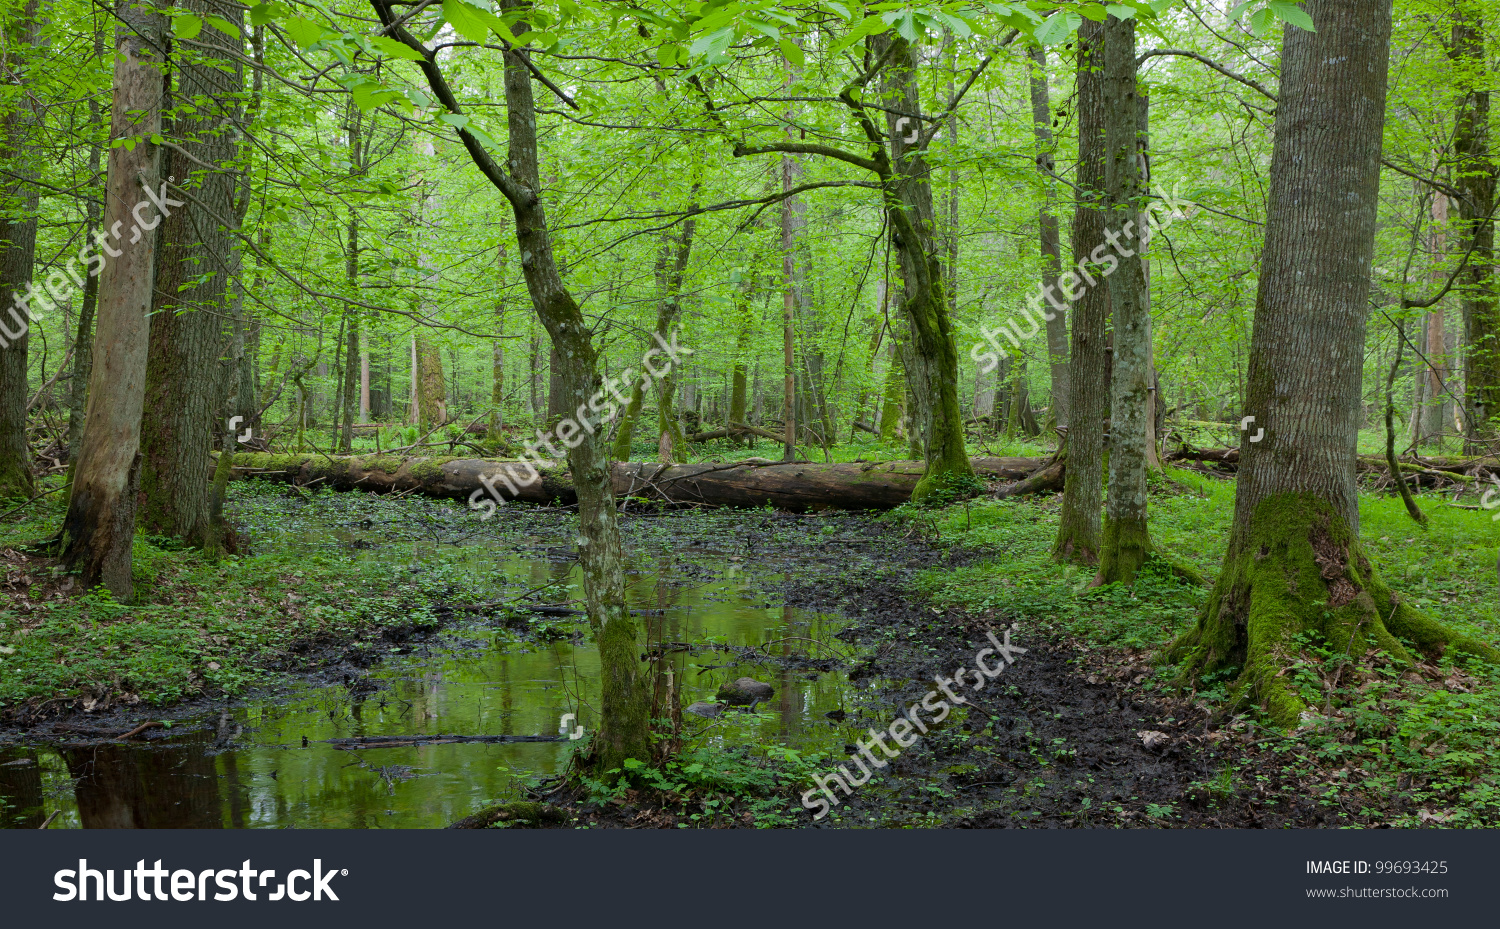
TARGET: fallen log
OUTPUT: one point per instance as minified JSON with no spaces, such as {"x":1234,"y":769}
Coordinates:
{"x":797,"y":486}
{"x":735,"y":429}
{"x":393,"y":741}
{"x":1045,"y":480}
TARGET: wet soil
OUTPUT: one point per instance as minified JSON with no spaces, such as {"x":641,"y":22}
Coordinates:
{"x":1056,"y":741}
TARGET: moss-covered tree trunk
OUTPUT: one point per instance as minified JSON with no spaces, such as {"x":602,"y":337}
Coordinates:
{"x":1294,"y":563}
{"x":892,"y":393}
{"x":1078,"y":535}
{"x":18,"y":208}
{"x":624,"y":729}
{"x":184,"y":379}
{"x":1048,"y":234}
{"x":429,"y":394}
{"x":1474,"y":176}
{"x":929,"y":354}
{"x":1125,"y":543}
{"x":100,"y":523}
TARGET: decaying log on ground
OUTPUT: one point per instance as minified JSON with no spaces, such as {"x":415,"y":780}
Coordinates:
{"x":391,"y":741}
{"x":734,"y":429}
{"x":520,"y":812}
{"x":1047,"y":479}
{"x":798,"y":486}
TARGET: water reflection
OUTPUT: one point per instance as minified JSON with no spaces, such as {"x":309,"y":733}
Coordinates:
{"x":267,"y":764}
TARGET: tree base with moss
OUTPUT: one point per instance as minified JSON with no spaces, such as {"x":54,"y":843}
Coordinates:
{"x":1301,"y":569}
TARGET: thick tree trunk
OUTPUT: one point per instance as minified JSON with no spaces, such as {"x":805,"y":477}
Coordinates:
{"x":1126,"y":543}
{"x":18,"y":207}
{"x":1294,"y":563}
{"x":1049,"y":238}
{"x":929,"y":355}
{"x":429,"y":393}
{"x":184,"y":383}
{"x":1474,"y":176}
{"x":1078,"y":536}
{"x":100,"y":523}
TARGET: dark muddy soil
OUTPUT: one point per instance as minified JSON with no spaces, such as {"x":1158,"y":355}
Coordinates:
{"x":1056,"y":741}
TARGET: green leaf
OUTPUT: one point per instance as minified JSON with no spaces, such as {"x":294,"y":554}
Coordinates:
{"x":906,"y":27}
{"x":390,"y":48}
{"x":1261,"y":21}
{"x":870,"y":25}
{"x":303,"y":32}
{"x":1120,"y":12}
{"x":1093,"y":11}
{"x":1058,"y":28}
{"x":713,"y":45}
{"x":262,"y":13}
{"x":186,"y":26}
{"x":956,"y":24}
{"x":1240,"y":9}
{"x":456,"y":120}
{"x":792,"y":53}
{"x":1294,"y":14}
{"x":667,"y":55}
{"x":224,"y":26}
{"x":465,"y":21}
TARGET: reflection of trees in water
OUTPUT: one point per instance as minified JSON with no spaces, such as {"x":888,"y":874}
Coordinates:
{"x":21,"y":802}
{"x":133,"y":787}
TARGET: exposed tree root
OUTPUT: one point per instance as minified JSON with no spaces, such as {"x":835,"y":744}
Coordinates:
{"x":1302,"y":570}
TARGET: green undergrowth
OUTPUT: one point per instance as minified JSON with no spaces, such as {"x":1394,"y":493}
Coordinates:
{"x":198,"y":626}
{"x":1384,"y":741}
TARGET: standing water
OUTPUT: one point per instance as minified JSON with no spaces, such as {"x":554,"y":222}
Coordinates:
{"x":364,"y":750}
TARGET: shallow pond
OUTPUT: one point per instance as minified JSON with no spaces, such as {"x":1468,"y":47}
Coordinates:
{"x":268,"y":762}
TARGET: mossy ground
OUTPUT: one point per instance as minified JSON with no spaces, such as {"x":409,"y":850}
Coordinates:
{"x":1407,"y":742}
{"x":200,"y":626}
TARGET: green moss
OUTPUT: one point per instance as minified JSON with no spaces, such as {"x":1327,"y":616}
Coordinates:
{"x":1126,"y":547}
{"x":1301,"y":569}
{"x":429,"y":469}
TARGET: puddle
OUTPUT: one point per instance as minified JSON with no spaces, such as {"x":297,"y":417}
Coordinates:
{"x":269,"y":764}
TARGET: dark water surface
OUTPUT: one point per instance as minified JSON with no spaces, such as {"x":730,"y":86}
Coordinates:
{"x":266,"y":762}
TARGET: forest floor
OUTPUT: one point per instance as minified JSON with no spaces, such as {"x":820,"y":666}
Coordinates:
{"x":1057,"y":740}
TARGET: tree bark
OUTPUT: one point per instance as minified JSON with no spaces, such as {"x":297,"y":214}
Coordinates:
{"x":1048,"y":234}
{"x":1294,"y":562}
{"x":1126,"y":542}
{"x":184,"y":382}
{"x":929,"y":354}
{"x":1474,"y":176}
{"x":1078,"y":536}
{"x":100,"y":522}
{"x":18,"y":210}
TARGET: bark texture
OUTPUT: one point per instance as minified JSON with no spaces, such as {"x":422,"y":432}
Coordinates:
{"x":185,"y":383}
{"x":100,"y":523}
{"x":1078,"y":536}
{"x":1126,"y":543}
{"x":1294,"y":563}
{"x":1048,"y":235}
{"x":18,"y":206}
